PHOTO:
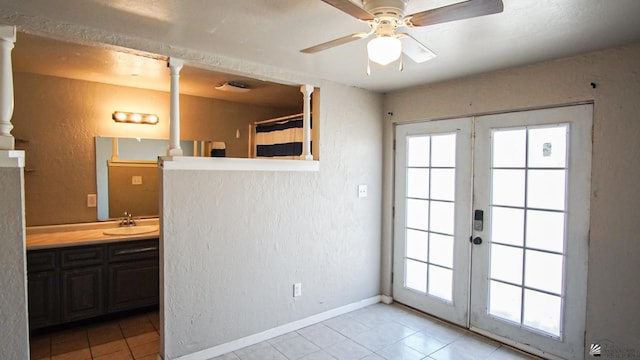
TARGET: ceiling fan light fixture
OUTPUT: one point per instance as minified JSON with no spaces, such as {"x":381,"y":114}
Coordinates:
{"x":384,"y":50}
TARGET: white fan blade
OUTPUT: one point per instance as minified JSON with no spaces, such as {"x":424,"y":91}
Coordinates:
{"x":352,"y":9}
{"x":460,"y":11}
{"x":335,"y":42}
{"x":414,"y":49}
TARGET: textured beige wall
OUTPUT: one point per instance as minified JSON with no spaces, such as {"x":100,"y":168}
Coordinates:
{"x":614,"y":253}
{"x":59,"y":119}
{"x":252,"y":234}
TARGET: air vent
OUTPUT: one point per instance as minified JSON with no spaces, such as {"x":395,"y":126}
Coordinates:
{"x":234,"y":86}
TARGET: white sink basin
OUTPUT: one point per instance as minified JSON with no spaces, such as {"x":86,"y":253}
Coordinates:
{"x":131,"y":230}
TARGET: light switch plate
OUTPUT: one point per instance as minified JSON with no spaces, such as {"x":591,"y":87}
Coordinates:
{"x":136,"y":180}
{"x":297,"y":289}
{"x":91,"y":200}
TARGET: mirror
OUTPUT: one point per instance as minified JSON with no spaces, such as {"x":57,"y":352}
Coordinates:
{"x":127,"y":173}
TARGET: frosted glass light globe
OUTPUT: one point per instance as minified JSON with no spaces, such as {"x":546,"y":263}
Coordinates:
{"x":384,"y":49}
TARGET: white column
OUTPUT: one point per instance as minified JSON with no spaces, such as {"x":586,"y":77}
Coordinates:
{"x":7,"y":39}
{"x":306,"y":91}
{"x":115,"y":149}
{"x":174,"y":122}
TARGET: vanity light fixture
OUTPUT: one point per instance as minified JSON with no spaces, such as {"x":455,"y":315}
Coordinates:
{"x":134,"y":118}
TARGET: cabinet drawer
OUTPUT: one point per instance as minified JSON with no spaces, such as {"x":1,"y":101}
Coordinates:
{"x":134,"y":250}
{"x":82,"y":256}
{"x":41,"y":260}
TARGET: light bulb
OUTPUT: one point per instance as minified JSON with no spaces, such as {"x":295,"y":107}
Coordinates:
{"x":120,"y":116}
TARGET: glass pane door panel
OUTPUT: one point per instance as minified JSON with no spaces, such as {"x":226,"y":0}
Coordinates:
{"x":508,"y":187}
{"x":548,"y":147}
{"x":543,"y":271}
{"x":542,"y":311}
{"x":507,"y":225}
{"x":443,"y":182}
{"x":418,"y":183}
{"x":509,"y":149}
{"x":442,"y":217}
{"x":506,"y":263}
{"x":505,"y":301}
{"x":545,"y":230}
{"x":528,"y":225}
{"x":546,"y":188}
{"x":443,"y":150}
{"x":416,"y":275}
{"x":440,"y":282}
{"x":430,"y":214}
{"x":418,"y":214}
{"x":417,"y":245}
{"x":441,"y":250}
{"x":418,"y":148}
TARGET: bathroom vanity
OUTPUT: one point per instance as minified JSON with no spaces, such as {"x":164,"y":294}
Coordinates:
{"x":82,"y":274}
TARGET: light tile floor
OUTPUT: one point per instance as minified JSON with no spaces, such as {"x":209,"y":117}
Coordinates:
{"x":379,"y":332}
{"x":131,"y":338}
{"x":376,"y":332}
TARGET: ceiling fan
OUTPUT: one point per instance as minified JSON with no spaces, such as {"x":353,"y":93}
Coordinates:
{"x":385,"y":17}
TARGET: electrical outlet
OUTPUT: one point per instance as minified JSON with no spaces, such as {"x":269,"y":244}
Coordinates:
{"x":91,"y":200}
{"x":362,"y":191}
{"x":136,"y":180}
{"x":297,"y":289}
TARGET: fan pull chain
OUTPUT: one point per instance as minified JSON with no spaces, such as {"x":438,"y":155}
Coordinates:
{"x":368,"y":66}
{"x":401,"y":67}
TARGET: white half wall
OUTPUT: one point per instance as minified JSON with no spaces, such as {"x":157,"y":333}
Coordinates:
{"x":611,"y":79}
{"x":235,"y":242}
{"x":14,"y":332}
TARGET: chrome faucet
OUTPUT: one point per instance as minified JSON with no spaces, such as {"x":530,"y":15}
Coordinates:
{"x":127,"y":220}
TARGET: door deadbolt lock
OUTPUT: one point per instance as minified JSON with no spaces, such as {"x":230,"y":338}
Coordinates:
{"x":476,"y":240}
{"x":478,"y":220}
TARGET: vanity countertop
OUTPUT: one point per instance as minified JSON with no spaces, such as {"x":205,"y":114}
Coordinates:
{"x":44,"y":237}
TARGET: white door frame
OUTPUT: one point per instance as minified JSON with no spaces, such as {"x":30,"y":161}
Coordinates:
{"x":580,"y":177}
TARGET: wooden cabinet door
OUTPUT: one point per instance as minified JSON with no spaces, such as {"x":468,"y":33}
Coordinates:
{"x":43,"y":299}
{"x":133,"y":285}
{"x":82,"y":293}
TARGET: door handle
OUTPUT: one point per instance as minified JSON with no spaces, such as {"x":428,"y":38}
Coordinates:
{"x":136,"y":251}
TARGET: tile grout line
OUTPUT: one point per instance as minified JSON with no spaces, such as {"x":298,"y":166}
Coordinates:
{"x":125,"y":340}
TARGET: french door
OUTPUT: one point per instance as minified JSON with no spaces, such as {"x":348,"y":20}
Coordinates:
{"x":491,"y":224}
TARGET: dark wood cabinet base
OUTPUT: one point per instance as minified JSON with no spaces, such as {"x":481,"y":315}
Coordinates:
{"x":83,"y":282}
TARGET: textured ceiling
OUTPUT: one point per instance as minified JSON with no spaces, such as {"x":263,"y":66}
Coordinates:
{"x":251,"y":37}
{"x":41,"y":55}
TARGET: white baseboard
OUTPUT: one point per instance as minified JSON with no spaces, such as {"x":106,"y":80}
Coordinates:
{"x":277,"y":331}
{"x":386,"y":299}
